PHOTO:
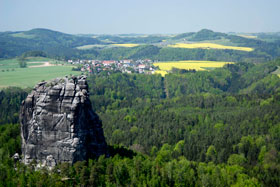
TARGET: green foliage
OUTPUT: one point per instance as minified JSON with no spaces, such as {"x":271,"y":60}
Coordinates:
{"x":211,"y":154}
{"x":34,"y":54}
{"x":10,"y":99}
{"x":236,"y":159}
{"x":216,"y":128}
{"x":10,"y":140}
{"x":119,"y":53}
{"x":206,"y":34}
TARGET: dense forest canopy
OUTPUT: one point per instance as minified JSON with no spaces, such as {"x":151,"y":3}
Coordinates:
{"x":211,"y":128}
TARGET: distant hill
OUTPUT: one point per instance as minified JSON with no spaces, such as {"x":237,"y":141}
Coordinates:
{"x":46,"y":36}
{"x":204,"y":34}
{"x":15,"y":43}
{"x":270,"y":37}
{"x":156,"y":47}
{"x":148,"y":39}
{"x":208,"y":35}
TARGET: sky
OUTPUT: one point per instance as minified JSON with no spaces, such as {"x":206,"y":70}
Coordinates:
{"x":140,"y":16}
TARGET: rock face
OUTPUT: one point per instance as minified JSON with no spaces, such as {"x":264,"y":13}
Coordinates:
{"x":59,"y":125}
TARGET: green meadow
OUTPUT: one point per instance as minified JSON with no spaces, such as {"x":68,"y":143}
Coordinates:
{"x":12,"y":75}
{"x":14,"y":63}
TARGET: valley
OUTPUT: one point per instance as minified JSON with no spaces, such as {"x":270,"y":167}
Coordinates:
{"x":139,"y":93}
{"x":192,"y":109}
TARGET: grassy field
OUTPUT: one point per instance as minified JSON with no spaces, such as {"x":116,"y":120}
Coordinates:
{"x":12,"y":75}
{"x":22,"y":35}
{"x":190,"y":64}
{"x":126,"y":45}
{"x":29,"y":77}
{"x":209,"y":46}
{"x":9,"y":64}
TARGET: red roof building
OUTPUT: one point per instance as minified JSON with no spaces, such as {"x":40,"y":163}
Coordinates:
{"x":108,"y":62}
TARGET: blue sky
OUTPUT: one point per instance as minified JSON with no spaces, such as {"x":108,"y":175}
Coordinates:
{"x":140,"y":16}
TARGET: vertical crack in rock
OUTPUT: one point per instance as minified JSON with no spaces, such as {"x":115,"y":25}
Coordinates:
{"x":59,"y":125}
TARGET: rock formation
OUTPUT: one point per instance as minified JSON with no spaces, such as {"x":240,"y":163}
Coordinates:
{"x":59,"y":125}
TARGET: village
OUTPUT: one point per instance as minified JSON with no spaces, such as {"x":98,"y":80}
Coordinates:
{"x":124,"y":66}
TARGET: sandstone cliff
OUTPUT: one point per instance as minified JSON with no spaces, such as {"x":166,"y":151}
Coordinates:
{"x":59,"y":125}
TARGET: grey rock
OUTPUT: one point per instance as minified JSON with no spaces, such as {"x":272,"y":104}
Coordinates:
{"x":59,"y":125}
{"x":16,"y":157}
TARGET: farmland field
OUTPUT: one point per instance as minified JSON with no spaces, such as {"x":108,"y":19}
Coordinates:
{"x":248,"y":36}
{"x":126,"y":45}
{"x":12,"y":75}
{"x":190,"y":64}
{"x":9,"y":64}
{"x":28,"y":77}
{"x":209,"y":46}
{"x":86,"y":47}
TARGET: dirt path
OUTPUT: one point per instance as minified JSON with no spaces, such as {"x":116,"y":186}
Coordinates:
{"x":44,"y":64}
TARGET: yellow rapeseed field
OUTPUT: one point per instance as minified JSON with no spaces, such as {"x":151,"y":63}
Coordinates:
{"x":248,"y":36}
{"x":208,"y":46}
{"x":126,"y":45}
{"x":189,"y":64}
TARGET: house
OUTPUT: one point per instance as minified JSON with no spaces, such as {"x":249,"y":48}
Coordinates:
{"x":95,"y":62}
{"x":108,"y":62}
{"x":148,"y":60}
{"x":141,"y":71}
{"x":142,"y":66}
{"x":126,"y":61}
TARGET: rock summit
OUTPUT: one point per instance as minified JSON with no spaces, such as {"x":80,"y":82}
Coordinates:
{"x":59,"y":125}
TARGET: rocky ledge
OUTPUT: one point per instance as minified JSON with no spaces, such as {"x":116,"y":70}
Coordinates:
{"x":59,"y":125}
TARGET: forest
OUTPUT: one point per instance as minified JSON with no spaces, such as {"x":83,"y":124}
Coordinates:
{"x":210,"y":128}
